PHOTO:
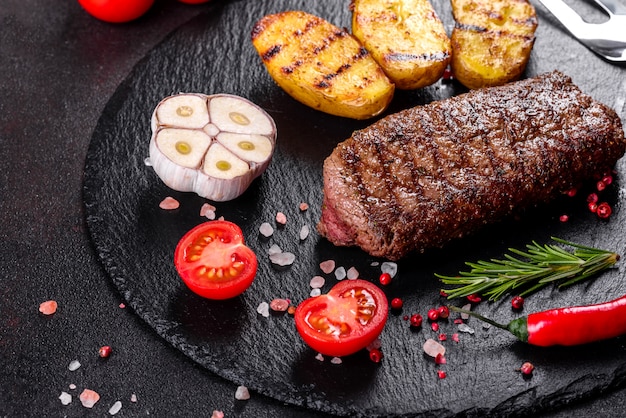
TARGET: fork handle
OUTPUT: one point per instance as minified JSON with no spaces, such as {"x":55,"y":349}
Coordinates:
{"x":612,"y":6}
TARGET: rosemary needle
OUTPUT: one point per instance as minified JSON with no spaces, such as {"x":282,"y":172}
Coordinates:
{"x":530,"y":270}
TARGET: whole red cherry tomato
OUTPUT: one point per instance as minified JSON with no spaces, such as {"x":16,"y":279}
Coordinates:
{"x":194,"y":1}
{"x":116,"y":11}
{"x":214,"y":262}
{"x":345,"y":320}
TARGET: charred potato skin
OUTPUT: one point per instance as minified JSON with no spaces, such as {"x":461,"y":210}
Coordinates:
{"x":405,"y":37}
{"x":491,"y":41}
{"x":321,"y":66}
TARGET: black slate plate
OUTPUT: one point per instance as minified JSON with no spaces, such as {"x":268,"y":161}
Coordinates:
{"x":135,"y":241}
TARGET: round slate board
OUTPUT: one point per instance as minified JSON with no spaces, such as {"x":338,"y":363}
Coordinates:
{"x":135,"y":241}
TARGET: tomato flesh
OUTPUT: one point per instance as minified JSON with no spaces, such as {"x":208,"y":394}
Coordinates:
{"x":116,"y":11}
{"x":345,"y":320}
{"x":214,"y":262}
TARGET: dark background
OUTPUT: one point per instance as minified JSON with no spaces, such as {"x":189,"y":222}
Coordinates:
{"x":58,"y":69}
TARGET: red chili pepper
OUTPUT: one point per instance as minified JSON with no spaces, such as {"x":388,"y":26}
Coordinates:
{"x":567,"y":326}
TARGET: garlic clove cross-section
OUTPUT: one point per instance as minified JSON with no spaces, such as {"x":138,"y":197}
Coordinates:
{"x":213,"y":145}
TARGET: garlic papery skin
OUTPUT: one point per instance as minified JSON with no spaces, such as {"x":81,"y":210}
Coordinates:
{"x":213,"y":145}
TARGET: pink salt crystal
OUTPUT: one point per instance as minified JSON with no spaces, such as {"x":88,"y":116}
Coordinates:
{"x":304,"y":206}
{"x":352,"y":273}
{"x":433,"y":348}
{"x":169,"y":203}
{"x":207,"y":210}
{"x":122,"y":305}
{"x":279,"y":305}
{"x":281,"y":218}
{"x":455,"y":337}
{"x":133,"y":398}
{"x":89,"y":398}
{"x":327,"y":266}
{"x":48,"y":307}
{"x":319,"y":357}
{"x":317,"y":282}
{"x":242,"y":393}
{"x":217,"y":414}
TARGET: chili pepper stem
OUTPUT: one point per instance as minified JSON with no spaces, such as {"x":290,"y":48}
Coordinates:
{"x":479,"y":316}
{"x":517,"y":327}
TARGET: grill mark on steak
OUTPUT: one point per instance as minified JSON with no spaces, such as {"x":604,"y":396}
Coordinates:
{"x":424,"y":176}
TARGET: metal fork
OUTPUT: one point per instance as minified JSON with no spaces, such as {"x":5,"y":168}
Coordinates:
{"x":607,"y":39}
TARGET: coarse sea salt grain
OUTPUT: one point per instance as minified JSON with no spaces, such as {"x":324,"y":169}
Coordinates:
{"x":65,"y":398}
{"x":133,"y":398}
{"x":336,"y":360}
{"x":327,"y":266}
{"x":263,"y":309}
{"x":466,"y":328}
{"x":317,"y":282}
{"x":147,"y":162}
{"x":266,"y":229}
{"x":319,"y":357}
{"x":304,"y":232}
{"x":352,"y":273}
{"x":340,"y":273}
{"x":115,"y":408}
{"x":315,"y":292}
{"x":74,"y":365}
{"x":283,"y":259}
{"x":389,"y":267}
{"x":242,"y":393}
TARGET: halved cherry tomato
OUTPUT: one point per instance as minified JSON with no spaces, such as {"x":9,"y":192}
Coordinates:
{"x":116,"y":11}
{"x":214,"y":262}
{"x":345,"y":320}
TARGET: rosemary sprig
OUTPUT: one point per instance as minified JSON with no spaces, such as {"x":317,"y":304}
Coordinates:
{"x":530,"y":270}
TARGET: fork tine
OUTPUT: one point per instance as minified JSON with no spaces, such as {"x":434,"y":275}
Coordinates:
{"x":612,"y":7}
{"x":567,"y":16}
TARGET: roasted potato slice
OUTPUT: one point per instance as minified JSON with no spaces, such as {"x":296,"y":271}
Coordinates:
{"x":405,"y":37}
{"x":491,"y":41}
{"x":322,"y":66}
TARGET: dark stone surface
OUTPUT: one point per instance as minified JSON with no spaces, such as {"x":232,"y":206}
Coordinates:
{"x":66,"y":77}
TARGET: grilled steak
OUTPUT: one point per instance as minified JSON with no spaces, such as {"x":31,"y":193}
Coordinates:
{"x":424,"y":176}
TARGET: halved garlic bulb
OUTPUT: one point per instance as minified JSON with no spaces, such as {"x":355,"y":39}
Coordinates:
{"x":213,"y":145}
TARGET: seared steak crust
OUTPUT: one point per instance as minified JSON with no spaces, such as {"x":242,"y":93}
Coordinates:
{"x":424,"y":176}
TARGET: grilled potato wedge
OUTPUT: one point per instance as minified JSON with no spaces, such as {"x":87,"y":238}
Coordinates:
{"x":491,"y":41}
{"x":405,"y":37}
{"x":322,"y":66}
